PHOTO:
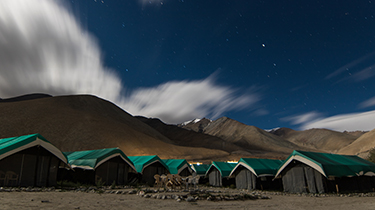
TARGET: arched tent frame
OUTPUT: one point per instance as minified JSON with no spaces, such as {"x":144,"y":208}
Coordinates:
{"x":92,"y":159}
{"x":176,"y":166}
{"x":10,"y":146}
{"x":142,"y":162}
{"x":331,"y":165}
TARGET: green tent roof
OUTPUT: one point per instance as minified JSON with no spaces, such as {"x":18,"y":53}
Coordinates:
{"x":224,"y":168}
{"x":175,"y":166}
{"x":259,"y":167}
{"x":10,"y":146}
{"x":200,"y":169}
{"x":91,"y":159}
{"x":141,"y":162}
{"x":332,"y":165}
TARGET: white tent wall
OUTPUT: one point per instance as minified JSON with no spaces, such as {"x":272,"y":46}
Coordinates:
{"x":245,"y":179}
{"x":214,"y":178}
{"x":302,"y":179}
{"x":30,"y":167}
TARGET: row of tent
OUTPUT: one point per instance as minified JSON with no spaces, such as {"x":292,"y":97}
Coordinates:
{"x":301,"y":172}
{"x":31,"y":160}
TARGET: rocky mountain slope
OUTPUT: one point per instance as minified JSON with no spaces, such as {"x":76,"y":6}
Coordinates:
{"x":83,"y":122}
{"x":86,"y":122}
{"x":254,"y":139}
{"x":320,"y":139}
{"x":361,"y":146}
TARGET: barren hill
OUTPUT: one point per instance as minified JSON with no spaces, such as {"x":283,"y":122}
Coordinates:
{"x":252,"y":138}
{"x":86,"y":122}
{"x":197,"y":126}
{"x":320,"y":139}
{"x":362,"y":146}
{"x":183,"y":137}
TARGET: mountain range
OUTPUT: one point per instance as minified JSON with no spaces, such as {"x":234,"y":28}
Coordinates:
{"x":83,"y":122}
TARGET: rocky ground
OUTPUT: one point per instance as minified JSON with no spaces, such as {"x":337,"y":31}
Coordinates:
{"x":153,"y":198}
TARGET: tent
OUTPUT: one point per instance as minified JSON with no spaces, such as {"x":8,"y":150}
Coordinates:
{"x":253,"y":173}
{"x":178,"y":166}
{"x":29,"y":160}
{"x":218,"y":171}
{"x":200,"y":169}
{"x":322,"y":172}
{"x":148,"y":166}
{"x":102,"y":165}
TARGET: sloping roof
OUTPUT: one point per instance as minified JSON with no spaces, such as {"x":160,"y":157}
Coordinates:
{"x":91,"y":159}
{"x":259,"y":167}
{"x":175,"y":166}
{"x":141,"y":162}
{"x":200,"y":169}
{"x":223,"y":167}
{"x":332,"y":165}
{"x":10,"y":146}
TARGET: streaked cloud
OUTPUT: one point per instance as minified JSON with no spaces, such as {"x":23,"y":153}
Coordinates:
{"x":303,"y":118}
{"x":368,"y":103}
{"x":349,"y":66}
{"x":43,"y":49}
{"x":364,"y":121}
{"x":364,"y":74}
{"x":178,"y":101}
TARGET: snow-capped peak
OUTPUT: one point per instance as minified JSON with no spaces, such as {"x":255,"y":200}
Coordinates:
{"x":271,"y":130}
{"x":191,"y":121}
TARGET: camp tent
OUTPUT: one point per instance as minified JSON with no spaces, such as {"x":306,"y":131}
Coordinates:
{"x":178,"y":166}
{"x":200,"y":169}
{"x":218,"y":171}
{"x":104,"y":165}
{"x":29,"y":160}
{"x":322,"y":172}
{"x":253,"y":173}
{"x":148,"y":166}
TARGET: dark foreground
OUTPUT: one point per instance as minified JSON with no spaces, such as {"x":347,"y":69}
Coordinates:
{"x":121,"y":199}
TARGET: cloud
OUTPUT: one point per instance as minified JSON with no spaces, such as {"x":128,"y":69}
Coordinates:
{"x":303,"y":118}
{"x":43,"y":49}
{"x":364,"y":74}
{"x":349,"y":65}
{"x":364,"y":121}
{"x":367,"y":103}
{"x":178,"y":101}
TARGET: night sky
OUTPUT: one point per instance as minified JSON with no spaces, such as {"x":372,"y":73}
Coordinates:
{"x":296,"y":64}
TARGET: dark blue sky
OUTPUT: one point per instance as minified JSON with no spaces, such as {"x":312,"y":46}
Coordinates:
{"x":305,"y":60}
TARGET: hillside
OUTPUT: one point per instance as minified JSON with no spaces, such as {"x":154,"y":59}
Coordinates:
{"x":86,"y":122}
{"x":320,"y":139}
{"x":362,"y":146}
{"x":183,"y":137}
{"x":252,"y":138}
{"x":83,"y":122}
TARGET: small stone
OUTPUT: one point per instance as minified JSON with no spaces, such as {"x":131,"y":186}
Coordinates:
{"x":132,"y":192}
{"x":141,"y":193}
{"x":190,"y":199}
{"x":178,"y":200}
{"x":264,"y":197}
